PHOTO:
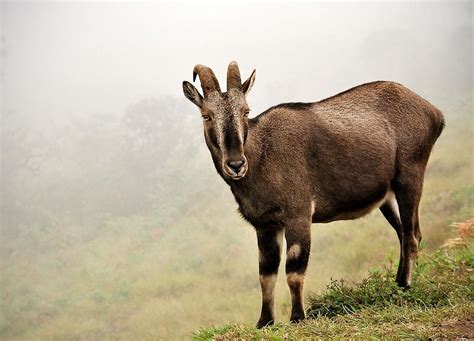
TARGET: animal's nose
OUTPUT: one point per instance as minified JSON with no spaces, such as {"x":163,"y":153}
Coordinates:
{"x":235,"y":165}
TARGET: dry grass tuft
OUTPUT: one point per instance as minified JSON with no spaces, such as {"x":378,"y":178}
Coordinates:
{"x":465,"y":231}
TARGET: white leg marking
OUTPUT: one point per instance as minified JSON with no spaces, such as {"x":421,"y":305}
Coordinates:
{"x":267,"y":282}
{"x":295,"y":279}
{"x":293,"y":252}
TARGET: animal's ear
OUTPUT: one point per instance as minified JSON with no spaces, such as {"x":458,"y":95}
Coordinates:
{"x":247,"y":86}
{"x":192,"y":93}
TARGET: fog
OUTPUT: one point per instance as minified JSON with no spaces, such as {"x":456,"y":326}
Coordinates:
{"x":98,"y":58}
{"x":111,"y":206}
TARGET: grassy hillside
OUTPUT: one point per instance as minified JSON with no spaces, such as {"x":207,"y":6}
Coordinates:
{"x":440,"y":303}
{"x":190,"y":262}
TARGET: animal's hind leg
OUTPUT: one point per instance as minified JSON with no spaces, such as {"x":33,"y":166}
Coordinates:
{"x":408,"y":192}
{"x":390,"y":211}
{"x":417,"y":228}
{"x":269,"y":246}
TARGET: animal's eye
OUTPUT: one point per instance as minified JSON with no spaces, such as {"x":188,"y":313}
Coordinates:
{"x":206,"y":118}
{"x":246,"y":113}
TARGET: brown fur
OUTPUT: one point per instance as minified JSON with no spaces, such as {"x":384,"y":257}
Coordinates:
{"x":338,"y":158}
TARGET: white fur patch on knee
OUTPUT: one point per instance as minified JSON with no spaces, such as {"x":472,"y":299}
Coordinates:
{"x":293,"y":252}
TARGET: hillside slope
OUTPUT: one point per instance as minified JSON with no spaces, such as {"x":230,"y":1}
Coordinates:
{"x":440,"y":303}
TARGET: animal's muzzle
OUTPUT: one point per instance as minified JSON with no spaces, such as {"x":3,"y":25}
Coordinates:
{"x":235,"y":165}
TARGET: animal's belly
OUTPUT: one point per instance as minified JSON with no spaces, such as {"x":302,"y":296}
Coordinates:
{"x":350,"y":214}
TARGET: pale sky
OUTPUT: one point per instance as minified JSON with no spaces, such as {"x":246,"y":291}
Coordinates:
{"x":86,"y":58}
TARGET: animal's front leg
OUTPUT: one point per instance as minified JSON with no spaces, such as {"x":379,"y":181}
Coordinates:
{"x":298,"y":241}
{"x":269,"y":246}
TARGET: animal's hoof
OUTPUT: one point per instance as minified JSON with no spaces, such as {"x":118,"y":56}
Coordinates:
{"x":264,"y":323}
{"x":297,"y":318}
{"x":404,"y":285}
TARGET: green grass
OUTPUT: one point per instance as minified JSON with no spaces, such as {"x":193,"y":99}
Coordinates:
{"x":393,"y":323}
{"x":440,"y":279}
{"x":441,"y":295}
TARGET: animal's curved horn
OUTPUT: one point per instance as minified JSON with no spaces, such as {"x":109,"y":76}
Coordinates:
{"x":208,"y":80}
{"x":233,"y":76}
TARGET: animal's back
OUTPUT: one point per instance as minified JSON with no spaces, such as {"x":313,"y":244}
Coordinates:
{"x":369,"y":113}
{"x":413,"y":120}
{"x":358,"y":138}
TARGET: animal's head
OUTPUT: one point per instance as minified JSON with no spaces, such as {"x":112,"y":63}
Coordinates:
{"x":225,"y":116}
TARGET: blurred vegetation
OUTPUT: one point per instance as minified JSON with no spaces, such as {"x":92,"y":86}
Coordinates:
{"x":117,"y":226}
{"x":439,"y":305}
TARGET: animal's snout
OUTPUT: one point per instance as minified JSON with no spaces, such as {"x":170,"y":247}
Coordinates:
{"x":235,"y":165}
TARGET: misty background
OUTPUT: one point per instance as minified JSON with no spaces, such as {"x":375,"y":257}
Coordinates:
{"x":114,"y":223}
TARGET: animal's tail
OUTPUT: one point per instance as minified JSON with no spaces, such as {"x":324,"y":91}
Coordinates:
{"x":438,"y":122}
{"x":442,"y":123}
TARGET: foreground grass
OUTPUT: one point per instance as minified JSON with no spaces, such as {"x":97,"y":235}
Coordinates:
{"x":440,"y":303}
{"x":392,"y":322}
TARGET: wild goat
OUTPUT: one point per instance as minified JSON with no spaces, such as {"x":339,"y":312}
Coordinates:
{"x":302,"y":163}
